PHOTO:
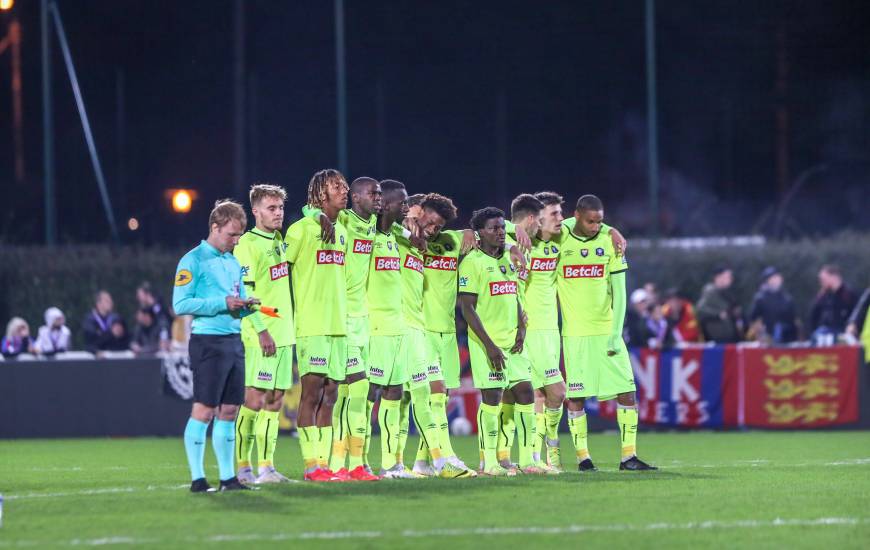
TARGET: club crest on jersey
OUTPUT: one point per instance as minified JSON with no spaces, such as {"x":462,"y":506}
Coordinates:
{"x":599,"y":252}
{"x":503,"y":269}
{"x":513,"y":269}
{"x":341,"y":239}
{"x":278,"y":271}
{"x":463,"y":281}
{"x":584,"y":252}
{"x":554,"y":249}
{"x":546,"y":250}
{"x":245,"y":270}
{"x":448,"y":247}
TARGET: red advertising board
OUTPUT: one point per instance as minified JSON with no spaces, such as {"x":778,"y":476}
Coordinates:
{"x":794,"y":388}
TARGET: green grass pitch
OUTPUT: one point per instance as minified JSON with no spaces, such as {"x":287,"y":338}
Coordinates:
{"x":792,"y":489}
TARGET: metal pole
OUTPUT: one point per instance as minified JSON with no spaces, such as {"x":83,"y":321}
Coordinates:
{"x":47,"y":130}
{"x":341,"y":91}
{"x":121,"y":134}
{"x":17,"y":116}
{"x":652,"y":117}
{"x":239,"y":106}
{"x":86,"y":126}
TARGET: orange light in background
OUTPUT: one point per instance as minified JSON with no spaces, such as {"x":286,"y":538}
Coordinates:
{"x":6,"y":5}
{"x":182,"y":200}
{"x":133,"y":224}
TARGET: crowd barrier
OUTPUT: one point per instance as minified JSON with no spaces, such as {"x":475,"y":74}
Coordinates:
{"x":727,"y":387}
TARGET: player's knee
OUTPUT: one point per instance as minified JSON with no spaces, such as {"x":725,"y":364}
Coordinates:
{"x":393,"y":393}
{"x":555,"y":396}
{"x":490,"y":397}
{"x":626,"y":399}
{"x":437,"y":386}
{"x":575,"y":404}
{"x":274,"y":401}
{"x":523,"y":394}
{"x":330,"y":396}
{"x":228,"y":412}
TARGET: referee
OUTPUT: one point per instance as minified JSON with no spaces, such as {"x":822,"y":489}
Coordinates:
{"x":208,"y":286}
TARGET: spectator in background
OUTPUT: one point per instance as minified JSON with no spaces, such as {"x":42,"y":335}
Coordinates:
{"x":834,"y":303}
{"x":146,"y":335}
{"x":772,"y":315}
{"x":17,"y":339}
{"x":54,"y":336}
{"x":680,"y":315}
{"x":652,"y":292}
{"x":120,"y":340}
{"x":857,"y":319}
{"x":718,"y":312}
{"x":636,"y":330}
{"x":97,"y":325}
{"x":162,"y":317}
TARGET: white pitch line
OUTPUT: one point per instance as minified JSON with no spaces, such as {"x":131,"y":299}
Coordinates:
{"x":462,"y":532}
{"x":90,"y":492}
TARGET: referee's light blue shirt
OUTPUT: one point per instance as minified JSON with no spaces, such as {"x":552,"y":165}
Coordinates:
{"x":203,"y":280}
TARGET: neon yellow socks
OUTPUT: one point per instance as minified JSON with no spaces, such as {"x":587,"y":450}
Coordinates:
{"x":627,"y":419}
{"x":357,"y":405}
{"x":552,"y":418}
{"x":438,"y":401}
{"x":579,"y":433}
{"x":487,"y":434}
{"x":506,"y":429}
{"x":339,"y":430}
{"x":370,"y":405}
{"x":324,"y":446}
{"x":524,"y":418}
{"x":309,"y":439}
{"x":540,"y":435}
{"x":388,"y":420}
{"x":404,"y":426}
{"x":245,"y":434}
{"x":267,"y":437}
{"x":430,"y":434}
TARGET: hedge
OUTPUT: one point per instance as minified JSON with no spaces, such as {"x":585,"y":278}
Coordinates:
{"x":34,"y":278}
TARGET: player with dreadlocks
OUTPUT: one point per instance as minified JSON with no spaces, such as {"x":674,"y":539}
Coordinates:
{"x":320,"y":297}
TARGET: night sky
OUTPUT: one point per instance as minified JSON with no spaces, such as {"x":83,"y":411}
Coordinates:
{"x":477,"y":100}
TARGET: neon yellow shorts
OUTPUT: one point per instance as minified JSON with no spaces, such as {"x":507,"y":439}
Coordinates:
{"x":442,"y":356}
{"x":386,"y":367}
{"x":413,"y":354}
{"x":517,"y":368}
{"x":590,"y":372}
{"x":326,"y":355}
{"x":357,"y":344}
{"x":544,"y":348}
{"x":269,"y":373}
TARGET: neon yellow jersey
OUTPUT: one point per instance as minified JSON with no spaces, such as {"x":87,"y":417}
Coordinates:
{"x":494,"y":281}
{"x":439,"y":281}
{"x":385,"y":287}
{"x":266,"y":276}
{"x":412,"y":284}
{"x":318,"y":277}
{"x":583,"y":283}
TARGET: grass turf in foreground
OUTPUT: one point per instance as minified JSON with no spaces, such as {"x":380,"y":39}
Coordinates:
{"x":723,"y":489}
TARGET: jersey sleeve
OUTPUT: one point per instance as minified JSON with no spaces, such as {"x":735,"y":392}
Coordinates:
{"x":617,"y":264}
{"x":246,"y":254}
{"x":469,"y":279}
{"x":184,"y":299}
{"x":293,"y":240}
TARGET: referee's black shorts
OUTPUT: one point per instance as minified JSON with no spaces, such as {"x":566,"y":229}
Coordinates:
{"x":218,"y":365}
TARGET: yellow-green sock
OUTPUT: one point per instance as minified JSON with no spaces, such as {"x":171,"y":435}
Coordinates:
{"x":370,"y":405}
{"x":487,"y":428}
{"x":540,"y":435}
{"x":552,"y":418}
{"x":579,"y":433}
{"x":324,"y":446}
{"x":245,"y":433}
{"x":388,"y":420}
{"x":404,"y":426}
{"x":627,"y":419}
{"x":506,"y":429}
{"x":267,"y":437}
{"x":339,"y":430}
{"x":356,"y":421}
{"x":524,"y":418}
{"x":309,"y":439}
{"x":430,"y":435}
{"x":438,"y":401}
